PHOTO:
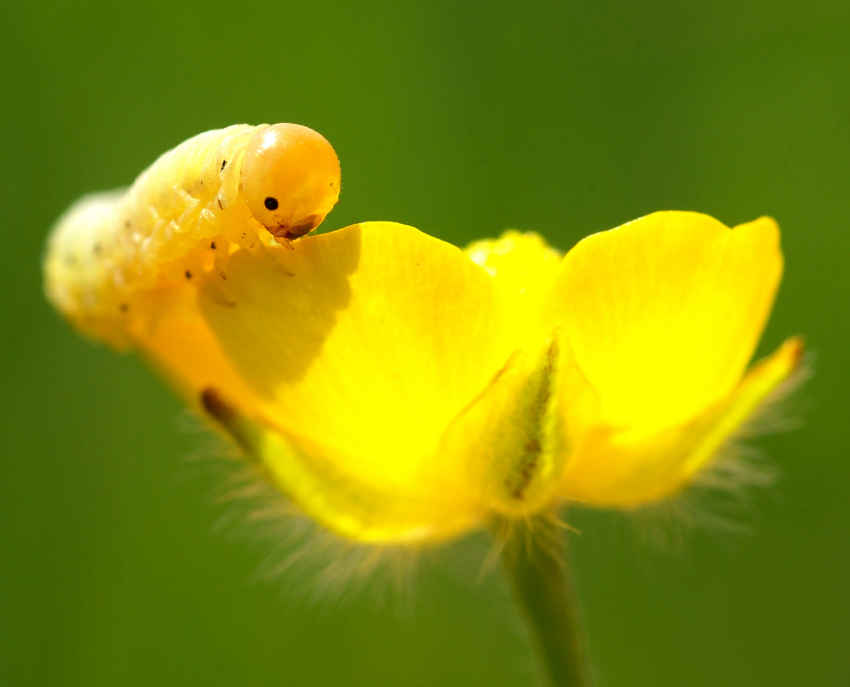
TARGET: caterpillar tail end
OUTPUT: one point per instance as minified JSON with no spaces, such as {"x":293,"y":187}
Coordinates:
{"x":78,"y":269}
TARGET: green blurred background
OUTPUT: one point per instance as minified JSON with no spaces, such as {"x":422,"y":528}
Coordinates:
{"x":462,"y":119}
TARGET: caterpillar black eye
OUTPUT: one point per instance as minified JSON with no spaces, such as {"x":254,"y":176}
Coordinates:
{"x":289,"y":177}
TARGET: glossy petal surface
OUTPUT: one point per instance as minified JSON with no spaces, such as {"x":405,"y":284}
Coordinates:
{"x":630,"y":466}
{"x":363,"y":344}
{"x":524,"y":268}
{"x":664,"y":313}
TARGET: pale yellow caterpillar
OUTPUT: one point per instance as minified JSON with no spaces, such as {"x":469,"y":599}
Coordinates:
{"x":218,"y":191}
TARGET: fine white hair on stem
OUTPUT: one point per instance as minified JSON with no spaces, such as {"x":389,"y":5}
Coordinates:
{"x":545,"y":530}
{"x":311,"y":564}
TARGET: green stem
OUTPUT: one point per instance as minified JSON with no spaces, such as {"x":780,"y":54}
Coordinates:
{"x":534,"y":557}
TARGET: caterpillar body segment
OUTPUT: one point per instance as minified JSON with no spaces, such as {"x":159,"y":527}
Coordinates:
{"x":242,"y":186}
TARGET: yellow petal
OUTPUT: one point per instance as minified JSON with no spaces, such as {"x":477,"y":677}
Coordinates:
{"x":361,"y":345}
{"x":523,"y":267}
{"x":612,"y":466}
{"x":664,"y":313}
{"x":318,"y":479}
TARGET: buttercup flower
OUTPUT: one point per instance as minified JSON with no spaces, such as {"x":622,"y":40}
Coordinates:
{"x":399,"y":389}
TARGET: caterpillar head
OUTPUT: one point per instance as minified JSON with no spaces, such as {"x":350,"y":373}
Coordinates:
{"x":290,"y":179}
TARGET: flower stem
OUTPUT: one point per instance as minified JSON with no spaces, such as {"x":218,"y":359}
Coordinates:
{"x":534,"y":557}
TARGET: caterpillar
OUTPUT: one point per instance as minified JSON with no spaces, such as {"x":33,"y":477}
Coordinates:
{"x":216,"y":192}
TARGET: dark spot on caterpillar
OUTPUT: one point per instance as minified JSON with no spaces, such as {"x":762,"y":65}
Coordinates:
{"x":223,"y":165}
{"x":123,"y":307}
{"x":221,"y":207}
{"x":96,"y":249}
{"x":270,"y":203}
{"x":212,"y":245}
{"x":188,"y":274}
{"x":216,"y":406}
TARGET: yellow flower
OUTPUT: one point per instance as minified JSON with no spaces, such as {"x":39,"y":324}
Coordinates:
{"x":398,"y":389}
